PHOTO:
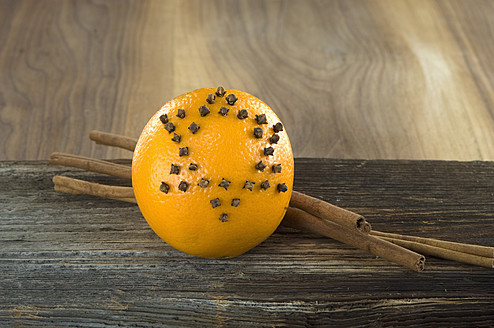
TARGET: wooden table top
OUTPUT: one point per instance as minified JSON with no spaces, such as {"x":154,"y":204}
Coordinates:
{"x":393,"y":79}
{"x":74,"y":260}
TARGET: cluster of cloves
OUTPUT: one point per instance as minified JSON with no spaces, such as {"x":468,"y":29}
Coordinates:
{"x":182,"y":151}
{"x":216,"y":202}
{"x":242,"y":114}
{"x":268,"y":151}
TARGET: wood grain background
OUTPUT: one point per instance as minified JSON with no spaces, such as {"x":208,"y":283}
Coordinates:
{"x":350,"y":79}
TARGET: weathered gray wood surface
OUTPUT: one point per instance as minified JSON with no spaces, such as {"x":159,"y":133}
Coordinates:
{"x":69,"y":260}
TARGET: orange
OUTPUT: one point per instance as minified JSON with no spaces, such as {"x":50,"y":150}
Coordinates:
{"x":201,"y":187}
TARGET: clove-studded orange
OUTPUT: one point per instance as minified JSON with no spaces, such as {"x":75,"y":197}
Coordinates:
{"x":213,"y":171}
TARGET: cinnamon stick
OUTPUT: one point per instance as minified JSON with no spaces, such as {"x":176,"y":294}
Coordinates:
{"x":329,"y":212}
{"x":91,"y":164}
{"x":324,"y":218}
{"x":312,"y":205}
{"x":478,"y":250}
{"x":114,"y":140}
{"x":301,"y":220}
{"x":76,"y":186}
{"x":486,"y":262}
{"x":295,"y":218}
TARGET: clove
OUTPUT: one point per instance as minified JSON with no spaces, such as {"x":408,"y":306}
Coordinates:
{"x":243,"y":113}
{"x":183,"y":151}
{"x":164,"y":187}
{"x":176,"y":137}
{"x":258,"y":133}
{"x":175,"y":169}
{"x":211,"y":98}
{"x":224,"y":217}
{"x":265,"y":185}
{"x":249,"y":185}
{"x":203,"y":110}
{"x":281,"y":187}
{"x":220,"y":92}
{"x":183,"y":186}
{"x":274,"y":139}
{"x":203,"y":183}
{"x":223,"y":111}
{"x":194,"y":127}
{"x":224,"y":183}
{"x":261,"y":119}
{"x":169,"y":127}
{"x":268,"y":151}
{"x":231,"y":99}
{"x":278,"y":127}
{"x":260,"y":166}
{"x":215,"y":202}
{"x":164,"y":118}
{"x":181,"y":113}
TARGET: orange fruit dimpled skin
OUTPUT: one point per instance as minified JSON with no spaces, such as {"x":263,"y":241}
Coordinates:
{"x":197,"y":176}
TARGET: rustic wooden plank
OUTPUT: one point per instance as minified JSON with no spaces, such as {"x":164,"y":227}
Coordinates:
{"x":73,"y":260}
{"x":410,"y":79}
